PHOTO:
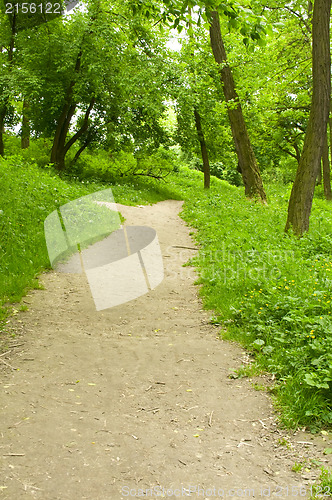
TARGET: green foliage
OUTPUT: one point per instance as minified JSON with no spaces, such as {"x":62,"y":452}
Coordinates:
{"x":273,"y":293}
{"x":227,"y":173}
{"x":28,"y":194}
{"x":109,"y":166}
{"x":220,"y":170}
{"x":38,"y":151}
{"x":324,"y":488}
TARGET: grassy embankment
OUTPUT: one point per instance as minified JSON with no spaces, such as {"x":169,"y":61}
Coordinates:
{"x":268,"y":291}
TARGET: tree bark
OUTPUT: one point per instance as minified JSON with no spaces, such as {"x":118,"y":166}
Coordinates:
{"x":326,"y":171}
{"x":197,"y":116}
{"x":82,"y":129}
{"x":246,"y":157}
{"x":25,"y":134}
{"x":4,"y":106}
{"x":3,"y":112}
{"x":79,"y":152}
{"x":204,"y":151}
{"x":300,"y":201}
{"x":319,"y":175}
{"x":58,"y":148}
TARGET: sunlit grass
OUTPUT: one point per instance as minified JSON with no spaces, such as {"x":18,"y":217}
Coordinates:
{"x":270,"y":292}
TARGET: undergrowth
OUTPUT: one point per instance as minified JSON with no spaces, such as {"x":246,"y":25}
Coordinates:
{"x":28,"y":194}
{"x":270,"y":292}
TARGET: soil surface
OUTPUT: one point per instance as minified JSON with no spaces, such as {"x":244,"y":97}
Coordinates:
{"x":136,"y":400}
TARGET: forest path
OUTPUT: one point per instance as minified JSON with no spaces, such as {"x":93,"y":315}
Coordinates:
{"x":105,"y":405}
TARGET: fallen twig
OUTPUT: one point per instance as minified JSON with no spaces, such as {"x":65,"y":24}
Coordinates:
{"x":13,"y":455}
{"x":7,"y":364}
{"x":188,"y":248}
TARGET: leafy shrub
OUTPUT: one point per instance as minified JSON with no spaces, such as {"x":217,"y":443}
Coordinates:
{"x":111,"y":166}
{"x":219,"y":170}
{"x":38,"y":152}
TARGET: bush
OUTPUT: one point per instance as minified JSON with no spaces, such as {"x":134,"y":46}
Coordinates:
{"x":111,"y":166}
{"x":38,"y":152}
{"x":219,"y":170}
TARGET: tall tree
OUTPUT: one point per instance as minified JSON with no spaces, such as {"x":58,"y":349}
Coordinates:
{"x":326,"y":171}
{"x":197,"y":116}
{"x":300,"y":202}
{"x":204,"y":150}
{"x":7,"y":47}
{"x":246,"y":157}
{"x":25,"y":131}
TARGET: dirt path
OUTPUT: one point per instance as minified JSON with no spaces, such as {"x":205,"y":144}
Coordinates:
{"x":104,"y":405}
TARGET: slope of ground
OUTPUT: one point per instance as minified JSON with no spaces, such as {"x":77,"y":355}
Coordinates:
{"x":136,"y":401}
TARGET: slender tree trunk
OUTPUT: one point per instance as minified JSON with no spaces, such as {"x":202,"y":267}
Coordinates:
{"x":319,"y":175}
{"x":297,"y":153}
{"x":246,"y":157}
{"x":83,"y":128}
{"x":62,"y":147}
{"x":197,"y":116}
{"x":2,"y":119}
{"x":204,"y":151}
{"x":79,"y":152}
{"x":300,"y":202}
{"x":25,"y":135}
{"x":4,"y":105}
{"x":326,"y":171}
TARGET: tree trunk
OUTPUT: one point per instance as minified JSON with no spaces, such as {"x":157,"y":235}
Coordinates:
{"x":2,"y":119}
{"x":78,"y":153}
{"x":58,"y":149}
{"x":204,"y":151}
{"x":319,"y":175}
{"x":83,"y":128}
{"x":300,"y":201}
{"x":246,"y":157}
{"x":62,"y":147}
{"x":326,"y":171}
{"x":4,"y":105}
{"x":25,"y":135}
{"x":197,"y":116}
{"x":297,"y":153}
{"x":58,"y":152}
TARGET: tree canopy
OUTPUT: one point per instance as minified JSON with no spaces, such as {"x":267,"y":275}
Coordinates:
{"x":106,"y":75}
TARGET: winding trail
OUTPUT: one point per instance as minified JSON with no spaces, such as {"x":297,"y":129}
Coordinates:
{"x":104,"y":405}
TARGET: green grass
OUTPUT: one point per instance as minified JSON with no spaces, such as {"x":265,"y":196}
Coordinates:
{"x":270,"y":292}
{"x":28,"y":194}
{"x":322,"y":489}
